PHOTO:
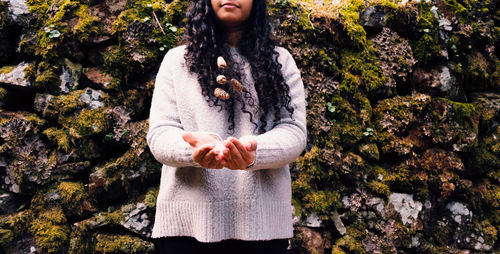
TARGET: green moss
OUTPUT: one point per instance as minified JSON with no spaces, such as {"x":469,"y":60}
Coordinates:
{"x":39,"y":6}
{"x":19,"y":222}
{"x":60,"y":137}
{"x":151,"y":196}
{"x":113,"y":218}
{"x":6,"y":238}
{"x":426,"y":48}
{"x":379,"y":188}
{"x":361,"y":68}
{"x":118,"y":63}
{"x":475,"y":72}
{"x":90,"y":122}
{"x":468,"y":11}
{"x":46,"y":77}
{"x":60,"y":106}
{"x":123,"y":20}
{"x":370,"y":151}
{"x":87,"y":24}
{"x":72,"y":195}
{"x":122,"y":244}
{"x":352,"y":113}
{"x":323,"y":203}
{"x":350,"y":14}
{"x":403,"y":110}
{"x":7,"y":69}
{"x":3,"y":94}
{"x":4,"y":17}
{"x":310,"y":165}
{"x":464,"y":112}
{"x":82,"y":240}
{"x":347,"y":244}
{"x":50,"y":231}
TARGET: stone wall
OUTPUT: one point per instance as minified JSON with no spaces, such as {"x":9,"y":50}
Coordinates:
{"x":403,"y":99}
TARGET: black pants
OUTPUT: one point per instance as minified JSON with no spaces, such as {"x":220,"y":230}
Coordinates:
{"x":189,"y":245}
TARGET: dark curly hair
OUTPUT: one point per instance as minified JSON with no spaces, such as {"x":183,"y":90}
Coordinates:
{"x":206,"y":41}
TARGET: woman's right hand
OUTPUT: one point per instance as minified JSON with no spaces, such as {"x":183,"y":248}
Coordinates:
{"x":207,"y":150}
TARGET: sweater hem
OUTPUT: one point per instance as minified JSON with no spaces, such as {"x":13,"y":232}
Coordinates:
{"x":248,"y":220}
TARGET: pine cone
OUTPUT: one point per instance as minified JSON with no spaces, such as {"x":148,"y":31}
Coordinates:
{"x":237,"y":85}
{"x":221,"y":79}
{"x":221,"y":94}
{"x":221,"y":63}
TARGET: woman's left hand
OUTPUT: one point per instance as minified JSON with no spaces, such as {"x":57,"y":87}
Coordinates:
{"x":241,"y":153}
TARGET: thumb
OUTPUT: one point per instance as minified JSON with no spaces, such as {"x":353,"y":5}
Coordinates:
{"x":189,"y":138}
{"x":251,"y":145}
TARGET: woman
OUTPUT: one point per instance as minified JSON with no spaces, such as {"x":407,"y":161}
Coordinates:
{"x":225,"y":142}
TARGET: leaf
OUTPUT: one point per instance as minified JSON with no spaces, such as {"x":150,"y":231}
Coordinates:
{"x":331,"y":108}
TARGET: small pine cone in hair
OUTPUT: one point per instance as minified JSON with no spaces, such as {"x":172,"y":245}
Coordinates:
{"x":221,"y":79}
{"x":221,"y":94}
{"x":237,"y":85}
{"x":221,"y":63}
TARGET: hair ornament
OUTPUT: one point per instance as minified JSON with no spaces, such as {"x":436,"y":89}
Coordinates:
{"x":221,"y":79}
{"x":236,"y":85}
{"x":221,"y":94}
{"x":221,"y":63}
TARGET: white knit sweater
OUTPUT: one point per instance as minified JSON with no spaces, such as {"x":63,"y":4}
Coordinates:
{"x":216,"y":204}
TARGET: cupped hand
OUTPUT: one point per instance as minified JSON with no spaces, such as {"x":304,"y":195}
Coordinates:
{"x":241,"y":153}
{"x":207,"y":150}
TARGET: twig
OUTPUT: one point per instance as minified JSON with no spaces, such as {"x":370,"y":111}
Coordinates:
{"x":158,"y":23}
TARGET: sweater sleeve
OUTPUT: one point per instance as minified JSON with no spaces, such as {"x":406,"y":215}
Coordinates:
{"x":287,"y":139}
{"x":164,"y":136}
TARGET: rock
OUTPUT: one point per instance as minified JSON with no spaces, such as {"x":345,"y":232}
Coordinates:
{"x":102,"y":189}
{"x":25,"y":244}
{"x":339,"y":225}
{"x":28,"y":159}
{"x":9,"y":203}
{"x":459,"y":212}
{"x":460,"y":120}
{"x":70,"y":76}
{"x":18,"y":11}
{"x":100,"y":79}
{"x":438,"y":81}
{"x":446,"y":79}
{"x":406,"y":207}
{"x":376,"y":203}
{"x":129,"y":174}
{"x":313,"y":221}
{"x":92,"y":98}
{"x":42,"y":102}
{"x":116,"y":6}
{"x":314,"y":241}
{"x":14,"y":76}
{"x":136,"y":219}
{"x":373,"y":17}
{"x":352,"y":202}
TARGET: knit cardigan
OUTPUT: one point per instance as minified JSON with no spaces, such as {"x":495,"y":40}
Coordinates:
{"x":216,"y":204}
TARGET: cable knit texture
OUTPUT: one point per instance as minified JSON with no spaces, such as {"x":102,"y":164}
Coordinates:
{"x":216,"y":204}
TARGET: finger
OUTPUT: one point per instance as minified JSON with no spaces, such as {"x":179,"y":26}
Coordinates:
{"x":236,"y":158}
{"x":201,"y":152}
{"x":226,"y":153}
{"x":251,"y":145}
{"x":211,"y":159}
{"x":245,"y":154}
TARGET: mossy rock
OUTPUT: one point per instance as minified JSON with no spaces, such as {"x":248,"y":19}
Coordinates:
{"x":460,"y":120}
{"x":6,"y":239}
{"x":427,"y":47}
{"x":51,"y":231}
{"x":107,"y":243}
